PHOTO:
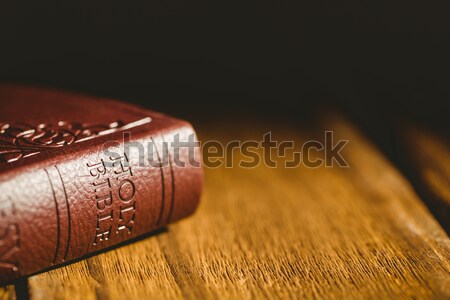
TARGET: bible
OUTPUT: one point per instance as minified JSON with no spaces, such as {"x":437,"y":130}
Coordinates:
{"x":79,"y":174}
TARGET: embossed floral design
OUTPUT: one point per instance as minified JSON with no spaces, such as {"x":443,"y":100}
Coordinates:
{"x":22,"y":140}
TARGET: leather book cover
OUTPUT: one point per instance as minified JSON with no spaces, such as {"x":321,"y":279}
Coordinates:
{"x":79,"y":174}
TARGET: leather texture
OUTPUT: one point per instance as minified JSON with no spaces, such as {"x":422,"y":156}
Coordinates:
{"x":62,"y":196}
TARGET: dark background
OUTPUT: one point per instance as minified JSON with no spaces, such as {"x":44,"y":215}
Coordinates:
{"x":377,"y":60}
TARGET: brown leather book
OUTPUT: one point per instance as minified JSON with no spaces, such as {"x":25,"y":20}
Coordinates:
{"x":79,"y":174}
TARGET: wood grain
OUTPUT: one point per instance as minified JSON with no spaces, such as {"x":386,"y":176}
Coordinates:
{"x":427,"y":160}
{"x":7,"y":293}
{"x":326,"y":233}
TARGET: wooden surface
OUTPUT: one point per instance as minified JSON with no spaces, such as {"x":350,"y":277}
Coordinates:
{"x":7,"y":293}
{"x":427,"y":160}
{"x":327,"y":233}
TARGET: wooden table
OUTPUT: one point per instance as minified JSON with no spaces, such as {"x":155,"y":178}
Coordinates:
{"x":326,"y":233}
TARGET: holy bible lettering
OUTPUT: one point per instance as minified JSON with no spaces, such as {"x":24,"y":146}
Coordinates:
{"x":105,"y":194}
{"x":62,"y":196}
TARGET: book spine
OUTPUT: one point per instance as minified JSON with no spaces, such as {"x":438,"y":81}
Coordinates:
{"x":92,"y":199}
